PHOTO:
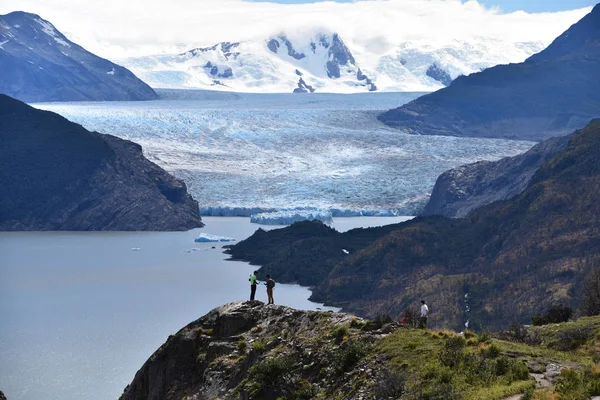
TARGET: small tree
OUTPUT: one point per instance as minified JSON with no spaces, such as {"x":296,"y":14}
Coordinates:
{"x":412,"y":315}
{"x":590,"y":303}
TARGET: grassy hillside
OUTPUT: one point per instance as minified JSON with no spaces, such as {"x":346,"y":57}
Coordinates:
{"x":506,"y":261}
{"x":247,"y":350}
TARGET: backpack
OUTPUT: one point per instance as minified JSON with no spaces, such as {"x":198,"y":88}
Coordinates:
{"x":271,"y":283}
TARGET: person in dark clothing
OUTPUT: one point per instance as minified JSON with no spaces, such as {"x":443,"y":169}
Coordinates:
{"x":270,"y":285}
{"x":253,"y":281}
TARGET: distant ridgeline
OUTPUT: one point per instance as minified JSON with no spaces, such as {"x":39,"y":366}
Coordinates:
{"x":58,"y":176}
{"x":509,"y":260}
{"x":39,"y":63}
{"x":551,"y":93}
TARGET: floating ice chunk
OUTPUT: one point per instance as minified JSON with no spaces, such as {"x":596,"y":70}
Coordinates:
{"x":345,"y":251}
{"x":111,"y":72}
{"x":135,"y":249}
{"x":207,"y":237}
{"x":287,"y":217}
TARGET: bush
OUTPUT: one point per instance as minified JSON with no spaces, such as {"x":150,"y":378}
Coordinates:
{"x":349,"y":356}
{"x":453,"y":351}
{"x":377,"y":323}
{"x":519,"y":371}
{"x":520,"y":334}
{"x":570,"y":385}
{"x":484,"y":337}
{"x":493,"y":351}
{"x":391,"y":384}
{"x":242,"y":345}
{"x":271,"y":378}
{"x":590,"y":302}
{"x":572,"y":339}
{"x":340,"y":333}
{"x":412,"y":315}
{"x":554,"y":315}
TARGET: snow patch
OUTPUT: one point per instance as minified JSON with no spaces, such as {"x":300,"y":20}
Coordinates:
{"x":51,"y":31}
{"x":111,"y":72}
{"x":207,"y":237}
{"x":3,"y":43}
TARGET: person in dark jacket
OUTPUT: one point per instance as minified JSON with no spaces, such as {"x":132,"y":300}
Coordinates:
{"x":270,"y":285}
{"x":253,"y":281}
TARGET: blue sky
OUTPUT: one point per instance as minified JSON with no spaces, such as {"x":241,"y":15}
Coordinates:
{"x":506,"y":5}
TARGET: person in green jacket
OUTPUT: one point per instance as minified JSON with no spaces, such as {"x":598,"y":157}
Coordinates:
{"x":253,"y":281}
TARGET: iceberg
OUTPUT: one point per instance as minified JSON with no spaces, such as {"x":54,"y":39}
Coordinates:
{"x":207,"y":237}
{"x":288,"y":217}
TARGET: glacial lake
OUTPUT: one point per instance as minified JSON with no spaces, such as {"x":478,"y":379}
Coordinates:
{"x":80,"y":312}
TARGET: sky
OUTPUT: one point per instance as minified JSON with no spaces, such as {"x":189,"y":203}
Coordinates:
{"x":532,"y":6}
{"x":117,"y":29}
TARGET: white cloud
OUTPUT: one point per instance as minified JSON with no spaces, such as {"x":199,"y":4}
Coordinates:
{"x":124,"y":28}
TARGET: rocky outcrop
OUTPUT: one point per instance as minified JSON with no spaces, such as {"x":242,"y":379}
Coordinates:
{"x":58,"y":176}
{"x":552,"y":93}
{"x":2,"y":396}
{"x":463,"y":189}
{"x":223,"y":354}
{"x":39,"y":63}
{"x":303,"y":87}
{"x":439,"y":74}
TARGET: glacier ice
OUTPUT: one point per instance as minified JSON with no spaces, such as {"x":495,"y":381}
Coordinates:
{"x":207,"y":237}
{"x":243,"y":154}
{"x":287,"y":217}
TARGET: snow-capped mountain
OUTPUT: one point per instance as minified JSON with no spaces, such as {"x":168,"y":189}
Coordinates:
{"x":325,"y":62}
{"x":38,"y":63}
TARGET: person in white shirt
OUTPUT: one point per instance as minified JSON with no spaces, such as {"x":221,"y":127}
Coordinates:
{"x":424,"y":315}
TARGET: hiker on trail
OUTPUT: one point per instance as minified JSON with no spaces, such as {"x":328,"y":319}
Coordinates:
{"x":424,"y":315}
{"x":253,"y":281}
{"x":270,"y":285}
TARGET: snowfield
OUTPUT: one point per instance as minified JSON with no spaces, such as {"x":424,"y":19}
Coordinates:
{"x":243,"y":154}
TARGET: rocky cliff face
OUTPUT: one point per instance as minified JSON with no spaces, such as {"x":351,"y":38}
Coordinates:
{"x":249,"y":350}
{"x":40,"y":64}
{"x":58,"y":176}
{"x":552,"y":93}
{"x":463,"y":189}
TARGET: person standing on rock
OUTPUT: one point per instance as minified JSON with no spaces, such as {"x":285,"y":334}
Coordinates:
{"x":270,"y":285}
{"x":424,"y":315}
{"x":253,"y":281}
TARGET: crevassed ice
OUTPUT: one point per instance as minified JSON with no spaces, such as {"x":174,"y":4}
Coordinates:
{"x":243,"y":154}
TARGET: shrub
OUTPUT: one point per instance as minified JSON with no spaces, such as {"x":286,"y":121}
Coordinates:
{"x":519,"y":371}
{"x":520,"y":334}
{"x":271,"y":377}
{"x":453,"y":351}
{"x":572,"y":339}
{"x":412,"y":315}
{"x":493,"y":351}
{"x":469,"y":334}
{"x":484,"y":337}
{"x":340,"y":333}
{"x":377,"y":323}
{"x":259,"y":346}
{"x":570,"y":385}
{"x":349,"y":356}
{"x":554,"y":315}
{"x":391,"y":384}
{"x":242,"y":345}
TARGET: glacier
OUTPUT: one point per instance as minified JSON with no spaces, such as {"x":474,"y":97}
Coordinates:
{"x":242,"y":154}
{"x":288,"y":217}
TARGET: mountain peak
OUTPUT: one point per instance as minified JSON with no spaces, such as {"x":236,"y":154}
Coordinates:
{"x":39,"y":63}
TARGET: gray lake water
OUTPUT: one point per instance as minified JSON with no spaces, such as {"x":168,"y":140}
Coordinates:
{"x":80,"y":312}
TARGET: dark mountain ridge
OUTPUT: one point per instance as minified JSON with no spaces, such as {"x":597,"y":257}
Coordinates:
{"x":551,"y":93}
{"x":463,"y":189}
{"x":510,"y":259}
{"x":39,"y":64}
{"x":55,"y":175}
